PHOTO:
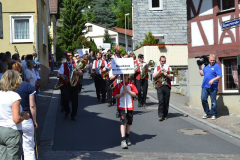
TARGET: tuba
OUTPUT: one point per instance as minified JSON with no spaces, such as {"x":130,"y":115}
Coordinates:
{"x":162,"y":79}
{"x":81,"y":64}
{"x":144,"y":72}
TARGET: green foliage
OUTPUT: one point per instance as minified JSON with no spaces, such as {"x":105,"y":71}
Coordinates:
{"x":136,"y":46}
{"x":149,"y":39}
{"x":93,"y":45}
{"x":106,"y":38}
{"x":82,"y":42}
{"x":161,"y":42}
{"x":103,"y":14}
{"x":121,"y":50}
{"x":50,"y":42}
{"x":72,"y":24}
{"x":123,"y":7}
{"x":113,"y":48}
{"x":60,"y":53}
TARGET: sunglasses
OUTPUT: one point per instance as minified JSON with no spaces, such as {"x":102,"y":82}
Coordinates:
{"x":69,"y":55}
{"x":163,"y":61}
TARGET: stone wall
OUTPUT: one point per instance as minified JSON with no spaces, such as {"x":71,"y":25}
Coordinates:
{"x":171,"y":21}
{"x":181,"y":88}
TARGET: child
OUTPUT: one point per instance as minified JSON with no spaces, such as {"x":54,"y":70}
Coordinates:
{"x":126,"y":119}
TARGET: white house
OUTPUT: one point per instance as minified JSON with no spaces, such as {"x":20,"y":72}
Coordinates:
{"x":96,"y":32}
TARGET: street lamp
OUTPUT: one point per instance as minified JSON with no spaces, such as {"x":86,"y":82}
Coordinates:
{"x":126,"y":41}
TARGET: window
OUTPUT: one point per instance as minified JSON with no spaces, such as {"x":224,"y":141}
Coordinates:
{"x":43,"y":33}
{"x":155,"y":4}
{"x":113,"y":40}
{"x":227,"y":4}
{"x":90,"y":28}
{"x":159,"y":38}
{"x":230,"y":75}
{"x":21,"y":28}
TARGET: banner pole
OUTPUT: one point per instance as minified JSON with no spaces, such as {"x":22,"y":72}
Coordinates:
{"x":125,"y":95}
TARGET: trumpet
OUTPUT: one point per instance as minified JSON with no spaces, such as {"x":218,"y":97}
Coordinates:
{"x":144,"y":72}
{"x":162,"y":79}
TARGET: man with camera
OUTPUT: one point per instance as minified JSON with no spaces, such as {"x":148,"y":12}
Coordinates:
{"x":212,"y":73}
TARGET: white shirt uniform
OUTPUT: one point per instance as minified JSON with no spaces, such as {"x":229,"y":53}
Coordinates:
{"x":166,"y":67}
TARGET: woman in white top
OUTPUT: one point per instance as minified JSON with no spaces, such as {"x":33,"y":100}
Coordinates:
{"x":10,"y":117}
{"x":30,"y":75}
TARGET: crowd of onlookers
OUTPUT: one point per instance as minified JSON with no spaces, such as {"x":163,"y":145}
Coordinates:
{"x":19,"y":87}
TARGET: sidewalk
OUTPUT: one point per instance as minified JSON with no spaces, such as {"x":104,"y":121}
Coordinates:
{"x":229,"y":124}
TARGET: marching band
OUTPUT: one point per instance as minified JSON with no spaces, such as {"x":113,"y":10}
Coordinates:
{"x":112,"y":87}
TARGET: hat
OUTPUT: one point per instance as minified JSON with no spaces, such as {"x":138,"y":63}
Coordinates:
{"x":140,"y":55}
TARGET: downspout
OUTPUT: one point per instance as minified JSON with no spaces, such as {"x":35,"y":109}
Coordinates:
{"x":36,"y":16}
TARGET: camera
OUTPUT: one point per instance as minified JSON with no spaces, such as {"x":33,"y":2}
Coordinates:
{"x":204,"y":60}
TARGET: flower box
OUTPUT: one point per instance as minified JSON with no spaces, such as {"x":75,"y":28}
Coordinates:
{"x":161,"y":45}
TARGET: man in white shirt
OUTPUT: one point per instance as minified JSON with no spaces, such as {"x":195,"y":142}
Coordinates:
{"x":163,"y":91}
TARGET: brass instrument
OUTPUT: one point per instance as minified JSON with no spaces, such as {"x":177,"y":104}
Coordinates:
{"x":58,"y":86}
{"x":105,"y":75}
{"x":144,"y":72}
{"x":81,"y":64}
{"x":160,"y":78}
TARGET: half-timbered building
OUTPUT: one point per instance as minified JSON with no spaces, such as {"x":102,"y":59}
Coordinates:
{"x":206,"y":36}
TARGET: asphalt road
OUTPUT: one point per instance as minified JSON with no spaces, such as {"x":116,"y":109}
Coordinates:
{"x":98,"y":129}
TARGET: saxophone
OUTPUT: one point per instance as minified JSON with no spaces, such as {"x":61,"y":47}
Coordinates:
{"x":144,"y":72}
{"x":160,"y":78}
{"x":81,"y":64}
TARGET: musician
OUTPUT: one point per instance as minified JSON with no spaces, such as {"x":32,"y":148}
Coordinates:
{"x":97,"y":67}
{"x":117,"y":54}
{"x":164,"y":91}
{"x":109,"y":81}
{"x":68,"y":92}
{"x":141,"y":83}
{"x":90,"y":58}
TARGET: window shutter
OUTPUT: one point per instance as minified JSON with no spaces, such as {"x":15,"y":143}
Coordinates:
{"x":1,"y":22}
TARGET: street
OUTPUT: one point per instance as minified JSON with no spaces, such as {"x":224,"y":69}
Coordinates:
{"x":97,"y":130}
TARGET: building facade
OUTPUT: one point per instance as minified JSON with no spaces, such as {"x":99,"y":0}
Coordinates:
{"x":205,"y":36}
{"x":25,"y":29}
{"x":167,"y":20}
{"x":117,"y":35}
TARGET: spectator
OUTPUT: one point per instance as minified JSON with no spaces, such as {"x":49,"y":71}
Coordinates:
{"x":1,"y":56}
{"x":3,"y":69}
{"x":6,"y":58}
{"x":17,"y":66}
{"x":34,"y":58}
{"x":30,"y":73}
{"x":37,"y":70}
{"x":10,"y":117}
{"x":15,"y":58}
{"x":23,"y":57}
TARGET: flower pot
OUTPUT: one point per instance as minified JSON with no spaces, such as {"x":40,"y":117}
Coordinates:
{"x":161,"y":45}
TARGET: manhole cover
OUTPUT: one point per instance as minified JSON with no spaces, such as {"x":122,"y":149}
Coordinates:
{"x":46,"y":143}
{"x":193,"y":132}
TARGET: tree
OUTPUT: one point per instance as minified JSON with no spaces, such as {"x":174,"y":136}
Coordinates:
{"x":82,"y":42}
{"x":72,"y":24}
{"x":93,"y":45}
{"x":149,"y":39}
{"x":102,"y":13}
{"x":106,"y":38}
{"x":123,"y":7}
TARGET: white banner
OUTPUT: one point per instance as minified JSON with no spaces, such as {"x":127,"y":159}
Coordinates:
{"x":81,"y":52}
{"x":106,"y":45}
{"x":122,"y":66}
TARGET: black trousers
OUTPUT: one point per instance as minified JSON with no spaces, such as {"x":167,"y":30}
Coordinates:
{"x":80,"y":84}
{"x":100,"y":86}
{"x":163,"y":100}
{"x":142,"y":84}
{"x":61,"y":95}
{"x":70,"y":93}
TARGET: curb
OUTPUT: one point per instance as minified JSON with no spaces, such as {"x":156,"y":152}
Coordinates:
{"x":202,"y":121}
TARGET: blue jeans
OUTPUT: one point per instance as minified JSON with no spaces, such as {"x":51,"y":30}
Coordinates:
{"x":204,"y":96}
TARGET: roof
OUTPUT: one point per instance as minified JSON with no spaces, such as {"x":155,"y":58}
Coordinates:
{"x":122,"y":30}
{"x":115,"y":29}
{"x":53,"y":6}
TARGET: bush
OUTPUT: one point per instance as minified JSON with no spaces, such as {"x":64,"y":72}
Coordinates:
{"x":149,"y":39}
